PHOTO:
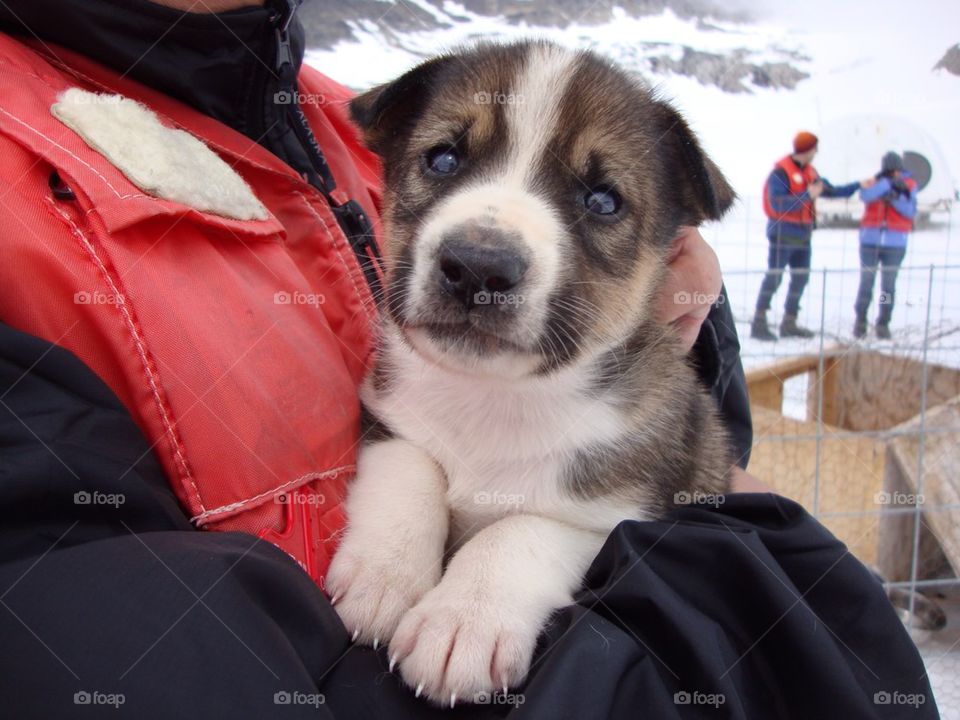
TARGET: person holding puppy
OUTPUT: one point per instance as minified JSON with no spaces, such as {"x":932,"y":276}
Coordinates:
{"x":789,"y":198}
{"x":188,"y":223}
{"x":891,"y":205}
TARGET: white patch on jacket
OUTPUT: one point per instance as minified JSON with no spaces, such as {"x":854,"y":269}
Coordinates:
{"x":164,"y":162}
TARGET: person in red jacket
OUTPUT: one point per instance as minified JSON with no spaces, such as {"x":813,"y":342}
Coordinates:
{"x":789,"y":198}
{"x":212,"y":256}
{"x":188,"y":293}
{"x":890,"y":206}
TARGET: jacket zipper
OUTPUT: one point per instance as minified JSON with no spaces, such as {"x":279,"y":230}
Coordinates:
{"x":352,"y":219}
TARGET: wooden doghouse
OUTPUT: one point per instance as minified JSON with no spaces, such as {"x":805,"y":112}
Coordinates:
{"x":855,"y":459}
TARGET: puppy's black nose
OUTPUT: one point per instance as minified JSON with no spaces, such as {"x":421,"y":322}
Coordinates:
{"x":478,"y":262}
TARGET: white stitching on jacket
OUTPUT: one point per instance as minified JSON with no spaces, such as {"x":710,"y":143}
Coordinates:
{"x":303,"y":479}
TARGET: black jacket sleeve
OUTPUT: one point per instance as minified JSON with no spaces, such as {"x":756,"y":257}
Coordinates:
{"x":716,"y":354}
{"x":747,"y":611}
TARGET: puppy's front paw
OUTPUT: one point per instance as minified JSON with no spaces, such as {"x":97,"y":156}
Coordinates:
{"x":456,"y":643}
{"x":372,"y":586}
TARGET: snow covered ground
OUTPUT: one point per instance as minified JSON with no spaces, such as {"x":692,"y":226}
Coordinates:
{"x":927,"y":287}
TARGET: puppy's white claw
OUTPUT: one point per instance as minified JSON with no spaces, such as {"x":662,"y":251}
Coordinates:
{"x":419,"y":690}
{"x":333,"y":600}
{"x":376,"y":643}
{"x":496,"y":639}
{"x":453,"y":700}
{"x":356,"y":634}
{"x":393,"y":663}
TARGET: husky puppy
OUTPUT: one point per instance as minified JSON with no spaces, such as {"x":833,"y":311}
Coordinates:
{"x":524,"y":401}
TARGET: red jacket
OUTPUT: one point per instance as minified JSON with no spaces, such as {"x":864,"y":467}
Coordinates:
{"x":237,"y":346}
{"x":800,"y":179}
{"x":882,"y":214}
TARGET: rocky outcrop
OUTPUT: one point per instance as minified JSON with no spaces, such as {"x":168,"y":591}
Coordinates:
{"x":731,"y":73}
{"x":950,"y":60}
{"x":560,"y":13}
{"x":328,"y":22}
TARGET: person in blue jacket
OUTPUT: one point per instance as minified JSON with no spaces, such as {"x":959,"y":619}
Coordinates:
{"x":891,"y":204}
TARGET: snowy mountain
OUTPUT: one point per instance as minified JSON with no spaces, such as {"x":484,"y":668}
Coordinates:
{"x":330,"y":21}
{"x":402,"y":25}
{"x":747,"y":78}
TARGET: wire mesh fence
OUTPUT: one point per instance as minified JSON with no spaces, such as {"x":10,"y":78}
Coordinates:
{"x":864,"y":431}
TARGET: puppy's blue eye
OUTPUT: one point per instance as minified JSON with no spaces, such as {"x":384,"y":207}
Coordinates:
{"x":444,"y":160}
{"x":602,"y":200}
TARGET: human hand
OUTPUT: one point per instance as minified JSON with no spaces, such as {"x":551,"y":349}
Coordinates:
{"x":867,"y":183}
{"x":816,"y":189}
{"x":901,"y":187}
{"x":692,"y":285}
{"x":742,"y":481}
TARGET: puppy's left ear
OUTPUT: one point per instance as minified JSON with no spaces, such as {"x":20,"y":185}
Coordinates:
{"x":386,"y":112}
{"x":703,"y":193}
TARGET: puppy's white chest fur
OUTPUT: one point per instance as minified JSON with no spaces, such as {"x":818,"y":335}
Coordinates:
{"x":504,"y":446}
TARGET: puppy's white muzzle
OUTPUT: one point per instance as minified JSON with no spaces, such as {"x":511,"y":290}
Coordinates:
{"x":484,"y":268}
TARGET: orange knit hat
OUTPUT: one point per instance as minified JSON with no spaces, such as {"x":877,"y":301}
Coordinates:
{"x":804,"y":141}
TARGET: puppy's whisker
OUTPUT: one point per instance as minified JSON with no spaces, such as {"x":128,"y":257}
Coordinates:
{"x":589,"y":316}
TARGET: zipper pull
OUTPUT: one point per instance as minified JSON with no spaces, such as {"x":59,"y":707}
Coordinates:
{"x":282,"y":30}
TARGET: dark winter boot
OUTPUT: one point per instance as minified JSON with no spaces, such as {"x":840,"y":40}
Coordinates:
{"x":759,"y":330}
{"x":789,"y":328}
{"x":860,"y":327}
{"x":883,"y":331}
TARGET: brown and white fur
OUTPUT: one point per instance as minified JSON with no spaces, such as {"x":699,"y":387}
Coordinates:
{"x":508,"y":438}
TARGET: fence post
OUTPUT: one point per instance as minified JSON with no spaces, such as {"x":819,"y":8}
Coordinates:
{"x":820,"y":375}
{"x":914,"y":560}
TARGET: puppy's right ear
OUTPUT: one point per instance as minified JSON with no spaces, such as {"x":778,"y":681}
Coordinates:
{"x":703,"y":193}
{"x":387,"y":112}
